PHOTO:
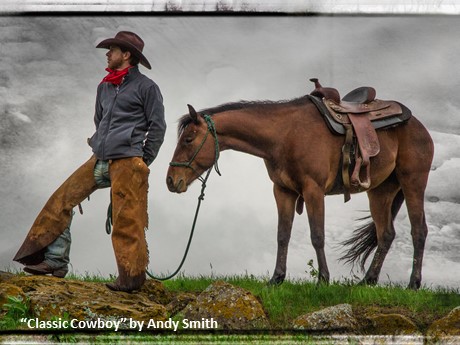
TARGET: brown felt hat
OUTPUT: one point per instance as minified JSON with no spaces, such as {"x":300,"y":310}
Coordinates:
{"x":130,"y":41}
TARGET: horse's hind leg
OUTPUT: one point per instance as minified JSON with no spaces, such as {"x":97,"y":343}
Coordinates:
{"x":412,"y":168}
{"x":285,"y":201}
{"x":381,"y":200}
{"x":414,"y":191}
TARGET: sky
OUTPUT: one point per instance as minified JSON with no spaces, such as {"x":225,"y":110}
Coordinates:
{"x":49,"y":72}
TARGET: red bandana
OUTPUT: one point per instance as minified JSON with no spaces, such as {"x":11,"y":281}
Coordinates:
{"x":115,"y":77}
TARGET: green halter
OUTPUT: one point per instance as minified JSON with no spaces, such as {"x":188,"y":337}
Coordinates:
{"x":188,"y":164}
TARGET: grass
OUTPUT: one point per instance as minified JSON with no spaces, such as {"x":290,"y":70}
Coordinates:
{"x":15,"y":308}
{"x":297,"y":297}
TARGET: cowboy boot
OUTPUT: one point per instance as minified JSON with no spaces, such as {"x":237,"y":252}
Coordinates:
{"x":43,"y":268}
{"x":129,"y":178}
{"x":56,"y":257}
{"x":56,"y":215}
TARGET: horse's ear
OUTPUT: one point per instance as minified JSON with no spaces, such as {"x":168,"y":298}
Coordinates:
{"x":193,"y":113}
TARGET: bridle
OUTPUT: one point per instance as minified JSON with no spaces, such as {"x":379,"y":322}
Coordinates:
{"x":188,"y":164}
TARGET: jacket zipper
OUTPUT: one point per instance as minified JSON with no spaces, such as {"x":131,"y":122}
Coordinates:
{"x":117,"y":89}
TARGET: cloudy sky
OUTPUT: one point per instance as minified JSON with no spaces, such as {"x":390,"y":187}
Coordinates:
{"x":49,"y":72}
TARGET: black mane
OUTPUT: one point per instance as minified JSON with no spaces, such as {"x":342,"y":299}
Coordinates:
{"x":185,"y":120}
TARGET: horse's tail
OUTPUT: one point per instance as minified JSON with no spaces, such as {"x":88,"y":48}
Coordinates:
{"x":364,"y":239}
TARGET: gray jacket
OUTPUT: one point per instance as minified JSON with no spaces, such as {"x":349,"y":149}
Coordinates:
{"x":129,"y":119}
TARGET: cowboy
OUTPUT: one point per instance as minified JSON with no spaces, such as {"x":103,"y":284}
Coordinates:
{"x":130,"y":129}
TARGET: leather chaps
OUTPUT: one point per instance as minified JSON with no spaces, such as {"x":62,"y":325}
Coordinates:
{"x":129,"y":182}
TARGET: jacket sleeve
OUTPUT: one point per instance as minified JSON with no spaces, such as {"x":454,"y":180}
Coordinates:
{"x":98,"y":108}
{"x":154,"y":112}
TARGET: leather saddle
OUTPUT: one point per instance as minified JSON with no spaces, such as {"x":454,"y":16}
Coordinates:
{"x":357,"y":116}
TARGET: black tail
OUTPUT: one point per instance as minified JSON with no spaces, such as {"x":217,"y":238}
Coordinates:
{"x":364,"y":239}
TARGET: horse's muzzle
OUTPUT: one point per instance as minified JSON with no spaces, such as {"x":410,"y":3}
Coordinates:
{"x":178,"y":186}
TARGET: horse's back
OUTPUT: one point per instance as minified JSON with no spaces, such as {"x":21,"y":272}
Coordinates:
{"x":415,"y":145}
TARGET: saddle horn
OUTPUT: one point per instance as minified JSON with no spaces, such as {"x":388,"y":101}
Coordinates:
{"x":324,"y":92}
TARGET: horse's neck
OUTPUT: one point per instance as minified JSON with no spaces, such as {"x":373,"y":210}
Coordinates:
{"x":244,"y":131}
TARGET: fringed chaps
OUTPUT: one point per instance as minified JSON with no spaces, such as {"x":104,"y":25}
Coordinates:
{"x":56,"y":214}
{"x":129,"y":182}
{"x":129,"y":179}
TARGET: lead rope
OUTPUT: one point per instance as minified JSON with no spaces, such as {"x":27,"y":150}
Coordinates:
{"x":212,"y":130}
{"x":200,"y":199}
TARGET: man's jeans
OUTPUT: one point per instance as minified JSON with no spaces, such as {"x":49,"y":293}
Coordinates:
{"x":57,"y":253}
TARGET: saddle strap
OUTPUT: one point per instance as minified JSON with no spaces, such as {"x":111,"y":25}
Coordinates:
{"x":356,"y":176}
{"x":369,"y":146}
{"x":346,"y":156}
{"x":366,"y":134}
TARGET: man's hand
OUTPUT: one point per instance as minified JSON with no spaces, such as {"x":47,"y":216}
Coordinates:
{"x":148,"y":159}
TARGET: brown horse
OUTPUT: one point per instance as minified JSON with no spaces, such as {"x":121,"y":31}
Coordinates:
{"x":303,"y":159}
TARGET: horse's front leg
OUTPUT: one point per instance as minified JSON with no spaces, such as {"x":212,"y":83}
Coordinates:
{"x":314,"y":203}
{"x":285,"y":201}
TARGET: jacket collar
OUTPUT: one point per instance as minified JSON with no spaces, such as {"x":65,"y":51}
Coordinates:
{"x":132,"y":72}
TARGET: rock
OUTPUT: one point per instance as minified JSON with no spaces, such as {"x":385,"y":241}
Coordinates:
{"x":156,"y":292}
{"x":232,"y":307}
{"x":9,"y":290}
{"x":55,"y":297}
{"x":392,"y":324}
{"x":335,"y":318}
{"x":447,"y":326}
{"x":5,"y":276}
{"x":179,"y":302}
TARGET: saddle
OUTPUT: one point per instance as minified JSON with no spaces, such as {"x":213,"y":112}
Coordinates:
{"x":357,"y":116}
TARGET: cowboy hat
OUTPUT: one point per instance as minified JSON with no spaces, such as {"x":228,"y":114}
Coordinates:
{"x":130,"y":41}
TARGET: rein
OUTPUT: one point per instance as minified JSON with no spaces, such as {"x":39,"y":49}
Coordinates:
{"x":211,"y":129}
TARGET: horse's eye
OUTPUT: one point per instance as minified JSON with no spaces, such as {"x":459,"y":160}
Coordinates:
{"x":190,"y":137}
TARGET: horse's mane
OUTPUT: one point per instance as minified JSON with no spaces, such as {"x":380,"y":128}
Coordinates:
{"x":185,"y":120}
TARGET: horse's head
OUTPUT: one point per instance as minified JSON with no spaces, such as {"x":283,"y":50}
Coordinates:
{"x":196,"y":151}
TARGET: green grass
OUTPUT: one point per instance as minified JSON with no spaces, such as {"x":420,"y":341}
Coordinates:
{"x":294,"y":298}
{"x":14,"y":309}
{"x":91,"y":277}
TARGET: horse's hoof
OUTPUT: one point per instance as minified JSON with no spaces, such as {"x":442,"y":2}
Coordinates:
{"x":414,"y":286}
{"x":370,"y":282}
{"x":322,"y":282}
{"x":276,"y":281}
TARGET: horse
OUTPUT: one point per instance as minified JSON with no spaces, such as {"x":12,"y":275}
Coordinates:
{"x":303,"y":158}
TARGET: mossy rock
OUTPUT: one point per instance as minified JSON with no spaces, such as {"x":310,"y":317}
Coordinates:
{"x":392,"y":324}
{"x":232,"y":307}
{"x":179,"y":302}
{"x":336,"y":318}
{"x":10,"y":290}
{"x":51,"y":296}
{"x":447,"y":326}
